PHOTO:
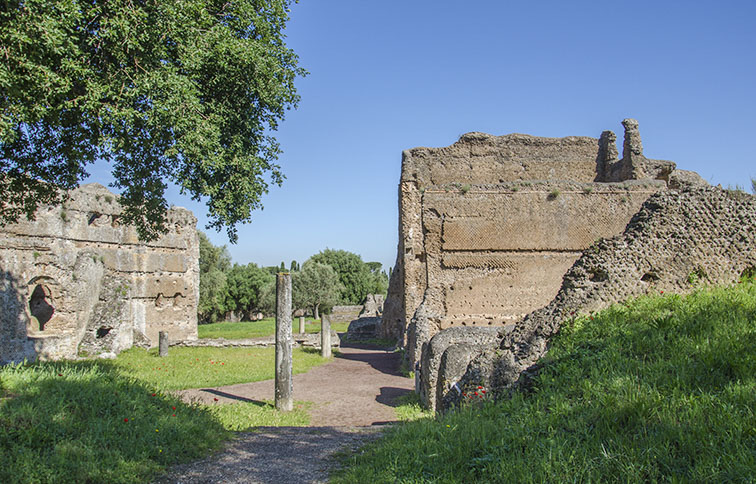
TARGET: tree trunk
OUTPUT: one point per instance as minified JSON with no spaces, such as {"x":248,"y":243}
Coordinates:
{"x":315,"y":312}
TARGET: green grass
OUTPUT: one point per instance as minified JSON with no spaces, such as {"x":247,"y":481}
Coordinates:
{"x":204,"y":366}
{"x":87,"y":422}
{"x":247,"y":415}
{"x":660,"y":389}
{"x":409,"y":409}
{"x":259,"y":329}
{"x":115,"y":421}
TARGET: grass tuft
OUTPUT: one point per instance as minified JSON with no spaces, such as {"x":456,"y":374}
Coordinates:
{"x":659,"y":389}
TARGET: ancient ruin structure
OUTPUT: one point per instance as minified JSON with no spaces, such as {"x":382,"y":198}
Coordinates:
{"x":676,"y":242}
{"x":77,"y":282}
{"x":489,"y":226}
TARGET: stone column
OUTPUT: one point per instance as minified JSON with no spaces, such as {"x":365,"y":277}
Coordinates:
{"x":325,"y":336}
{"x":284,"y":381}
{"x":162,"y":344}
{"x":301,"y":325}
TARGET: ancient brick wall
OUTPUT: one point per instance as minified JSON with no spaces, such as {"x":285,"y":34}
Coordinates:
{"x":489,"y":225}
{"x":76,"y":281}
{"x":677,"y":241}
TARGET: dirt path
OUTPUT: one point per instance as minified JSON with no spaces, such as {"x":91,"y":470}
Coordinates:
{"x":353,"y":396}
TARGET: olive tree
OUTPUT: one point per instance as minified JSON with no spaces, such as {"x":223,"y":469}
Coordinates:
{"x":316,"y":287}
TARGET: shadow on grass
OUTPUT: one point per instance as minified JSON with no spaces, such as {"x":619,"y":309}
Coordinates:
{"x":86,"y":422}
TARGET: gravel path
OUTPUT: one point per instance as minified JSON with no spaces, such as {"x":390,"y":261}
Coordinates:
{"x":353,"y":396}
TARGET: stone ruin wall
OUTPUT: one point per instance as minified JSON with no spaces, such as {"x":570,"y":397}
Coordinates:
{"x":678,"y":241}
{"x":489,"y":225}
{"x":75,"y":281}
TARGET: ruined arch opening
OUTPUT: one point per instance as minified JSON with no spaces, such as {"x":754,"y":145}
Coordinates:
{"x":41,"y":305}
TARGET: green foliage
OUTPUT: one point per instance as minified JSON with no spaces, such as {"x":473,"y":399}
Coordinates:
{"x":244,"y":285}
{"x":214,"y":262}
{"x":753,"y":186}
{"x":316,"y":286}
{"x":183,"y":91}
{"x":408,"y":408}
{"x":358,"y":278}
{"x":267,"y":301}
{"x":87,"y":422}
{"x":659,"y":390}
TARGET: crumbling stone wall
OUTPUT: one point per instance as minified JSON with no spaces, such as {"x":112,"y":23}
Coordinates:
{"x":678,"y":240}
{"x":75,"y":281}
{"x":345,"y":314}
{"x":489,"y":225}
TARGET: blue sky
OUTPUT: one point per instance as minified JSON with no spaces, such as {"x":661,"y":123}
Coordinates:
{"x":391,"y":75}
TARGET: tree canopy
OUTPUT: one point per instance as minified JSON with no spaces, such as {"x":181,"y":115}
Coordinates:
{"x":184,"y":91}
{"x":244,"y":284}
{"x":214,"y":262}
{"x":357,"y":277}
{"x":316,"y":287}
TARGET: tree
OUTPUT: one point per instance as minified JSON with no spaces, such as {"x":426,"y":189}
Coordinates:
{"x":244,"y":284}
{"x":354,"y":274}
{"x":294,"y":266}
{"x":316,"y":286}
{"x":214,"y":262}
{"x":185,"y":91}
{"x":379,"y":280}
{"x":268,"y":297}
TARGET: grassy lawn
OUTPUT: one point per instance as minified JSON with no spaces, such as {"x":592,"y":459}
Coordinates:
{"x":259,"y":329}
{"x":660,"y":389}
{"x":204,"y":367}
{"x":115,"y":421}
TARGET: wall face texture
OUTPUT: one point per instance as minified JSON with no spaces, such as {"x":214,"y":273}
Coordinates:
{"x":75,"y":281}
{"x":489,"y":225}
{"x":678,"y":239}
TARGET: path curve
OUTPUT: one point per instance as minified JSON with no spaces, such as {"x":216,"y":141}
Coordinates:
{"x":357,"y":388}
{"x":353,"y":396}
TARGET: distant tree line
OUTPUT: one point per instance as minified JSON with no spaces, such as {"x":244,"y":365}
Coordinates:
{"x":328,"y":278}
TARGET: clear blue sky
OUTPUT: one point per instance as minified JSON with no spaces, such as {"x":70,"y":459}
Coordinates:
{"x":391,"y":75}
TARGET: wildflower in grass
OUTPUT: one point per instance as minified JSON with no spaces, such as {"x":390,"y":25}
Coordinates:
{"x":126,"y":420}
{"x":215,"y":399}
{"x":174,"y":408}
{"x":154,"y":394}
{"x":173,"y":415}
{"x":60,"y":374}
